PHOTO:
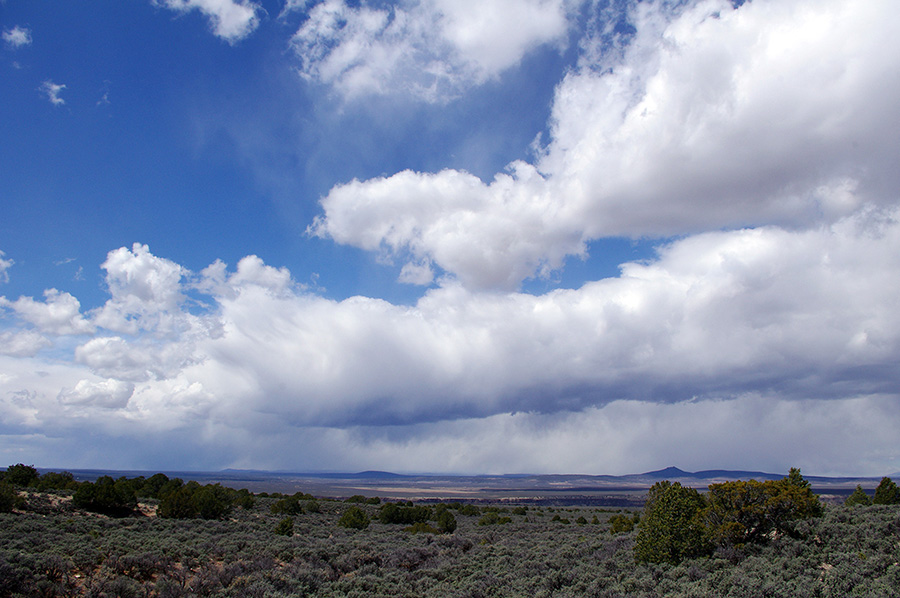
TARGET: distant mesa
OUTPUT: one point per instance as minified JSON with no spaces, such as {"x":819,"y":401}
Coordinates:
{"x":709,"y":474}
{"x":668,"y":472}
{"x":378,"y":474}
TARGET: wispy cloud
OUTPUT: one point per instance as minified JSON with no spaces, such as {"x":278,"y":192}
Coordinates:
{"x":5,"y":264}
{"x":17,"y":37}
{"x":53,"y":91}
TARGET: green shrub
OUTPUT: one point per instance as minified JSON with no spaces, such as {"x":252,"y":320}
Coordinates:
{"x":493,"y":518}
{"x":106,"y":496}
{"x":8,"y":497}
{"x":244,"y":499}
{"x":671,"y":528}
{"x":622,"y":524}
{"x":285,"y":527}
{"x":287,"y":506}
{"x":56,"y":481}
{"x":354,"y":518}
{"x":213,"y":501}
{"x":446,"y":522}
{"x":399,"y":513}
{"x":21,"y":475}
{"x":178,"y":504}
{"x":421,"y":528}
{"x":859,"y":497}
{"x":152,"y":486}
{"x":887,"y":493}
{"x":749,"y":511}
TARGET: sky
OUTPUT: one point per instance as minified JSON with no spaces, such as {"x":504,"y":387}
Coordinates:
{"x":450,"y":236}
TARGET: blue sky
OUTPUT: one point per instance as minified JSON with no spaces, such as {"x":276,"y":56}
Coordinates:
{"x":450,"y":236}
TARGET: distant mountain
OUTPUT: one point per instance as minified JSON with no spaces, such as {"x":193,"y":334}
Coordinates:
{"x":378,"y":475}
{"x":328,"y":474}
{"x":495,"y":486}
{"x":668,"y":472}
{"x":709,"y":474}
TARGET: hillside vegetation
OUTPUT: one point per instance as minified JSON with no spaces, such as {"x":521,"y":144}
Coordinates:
{"x":233,"y":543}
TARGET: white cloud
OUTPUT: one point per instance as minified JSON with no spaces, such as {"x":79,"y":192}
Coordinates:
{"x":25,"y":343}
{"x":232,"y":20}
{"x":109,"y":394}
{"x":430,"y":48}
{"x":420,"y":274}
{"x":52,"y":91}
{"x":59,"y":314}
{"x":146,"y":293}
{"x":17,"y":37}
{"x":251,"y":270}
{"x":134,"y":360}
{"x":773,"y":113}
{"x":796,"y":326}
{"x":5,"y":264}
{"x":763,"y":137}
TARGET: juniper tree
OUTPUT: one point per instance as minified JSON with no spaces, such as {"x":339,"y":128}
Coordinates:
{"x":671,"y":528}
{"x":859,"y":497}
{"x":887,"y":493}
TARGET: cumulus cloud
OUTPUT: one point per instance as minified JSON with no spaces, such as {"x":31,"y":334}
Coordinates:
{"x":145,"y":292}
{"x":717,"y":314}
{"x":17,"y":37}
{"x":24,"y":343}
{"x":231,"y":20}
{"x":805,"y":316}
{"x":760,"y":137}
{"x":714,"y":117}
{"x":52,"y":91}
{"x":134,"y":360}
{"x":109,"y":394}
{"x":58,"y":314}
{"x":430,"y":48}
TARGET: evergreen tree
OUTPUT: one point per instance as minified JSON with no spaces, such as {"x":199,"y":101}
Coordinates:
{"x":107,"y":496}
{"x":446,"y":522}
{"x":8,"y":497}
{"x":671,"y":528}
{"x":887,"y":493}
{"x":285,"y":527}
{"x":354,"y":518}
{"x":859,"y":497}
{"x":21,"y":475}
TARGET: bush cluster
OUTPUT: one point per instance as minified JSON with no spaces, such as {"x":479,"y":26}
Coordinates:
{"x":107,"y":496}
{"x":848,"y":551}
{"x":887,"y":493}
{"x":680,"y":523}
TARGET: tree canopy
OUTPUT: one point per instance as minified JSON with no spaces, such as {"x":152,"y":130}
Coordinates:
{"x":858,"y":497}
{"x":354,"y":518}
{"x":671,"y":528}
{"x":887,"y":493}
{"x":107,"y":496}
{"x":679,"y":522}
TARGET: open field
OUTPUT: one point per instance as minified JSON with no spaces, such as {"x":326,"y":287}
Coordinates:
{"x":595,"y":490}
{"x":538,"y":547}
